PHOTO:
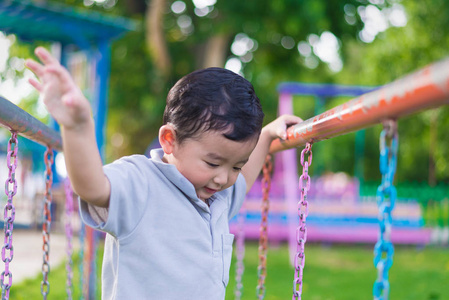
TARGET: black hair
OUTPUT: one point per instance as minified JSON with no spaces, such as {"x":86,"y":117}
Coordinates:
{"x":214,"y":99}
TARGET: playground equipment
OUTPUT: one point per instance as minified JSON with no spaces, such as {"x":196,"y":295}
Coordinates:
{"x":425,"y":89}
{"x":422,"y":90}
{"x":83,"y":40}
{"x":20,"y":122}
{"x":431,"y":89}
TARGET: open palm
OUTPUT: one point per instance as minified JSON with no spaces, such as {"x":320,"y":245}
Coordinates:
{"x":63,"y":99}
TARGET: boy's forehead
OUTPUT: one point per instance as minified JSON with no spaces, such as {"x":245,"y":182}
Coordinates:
{"x":215,"y":145}
{"x":218,"y":157}
{"x":207,"y":135}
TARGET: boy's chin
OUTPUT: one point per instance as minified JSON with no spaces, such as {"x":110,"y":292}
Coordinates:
{"x":204,"y":196}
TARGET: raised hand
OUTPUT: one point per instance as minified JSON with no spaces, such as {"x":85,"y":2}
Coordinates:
{"x":67,"y":104}
{"x":63,"y":99}
{"x":273,"y":130}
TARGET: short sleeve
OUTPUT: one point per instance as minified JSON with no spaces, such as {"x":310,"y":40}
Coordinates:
{"x":129,"y":195}
{"x":238,"y":195}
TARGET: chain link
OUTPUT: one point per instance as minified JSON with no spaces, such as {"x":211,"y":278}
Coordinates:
{"x":240,"y":254}
{"x":263,"y":241}
{"x":45,"y":285}
{"x":9,"y":214}
{"x":69,"y":235}
{"x":386,"y":198}
{"x":301,"y":230}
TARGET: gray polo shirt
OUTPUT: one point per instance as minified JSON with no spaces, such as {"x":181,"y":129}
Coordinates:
{"x":162,"y":241}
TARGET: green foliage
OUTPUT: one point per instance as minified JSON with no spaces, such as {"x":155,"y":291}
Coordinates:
{"x":266,"y":22}
{"x":395,"y":53}
{"x":136,"y":98}
{"x":17,"y":51}
{"x":137,"y":91}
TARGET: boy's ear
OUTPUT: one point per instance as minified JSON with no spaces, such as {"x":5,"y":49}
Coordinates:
{"x":167,"y":138}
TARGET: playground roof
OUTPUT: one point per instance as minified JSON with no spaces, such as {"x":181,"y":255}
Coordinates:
{"x":56,"y":22}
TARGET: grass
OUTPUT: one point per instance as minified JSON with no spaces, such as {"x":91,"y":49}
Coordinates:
{"x":30,"y":289}
{"x":347,"y":272}
{"x":331,"y":273}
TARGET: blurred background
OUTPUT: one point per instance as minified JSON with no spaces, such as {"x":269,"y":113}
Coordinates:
{"x":354,"y":42}
{"x":347,"y":42}
{"x":351,"y":42}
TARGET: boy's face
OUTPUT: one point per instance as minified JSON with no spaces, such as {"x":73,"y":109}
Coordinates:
{"x":212,"y":162}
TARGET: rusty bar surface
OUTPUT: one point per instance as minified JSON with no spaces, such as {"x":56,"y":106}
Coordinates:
{"x":424,"y":89}
{"x":16,"y":119}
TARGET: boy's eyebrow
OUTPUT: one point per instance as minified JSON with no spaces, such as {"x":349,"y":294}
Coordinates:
{"x":218,"y":157}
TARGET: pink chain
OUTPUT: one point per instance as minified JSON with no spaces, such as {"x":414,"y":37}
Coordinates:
{"x":301,"y":231}
{"x":69,"y":235}
{"x":9,"y":214}
{"x":263,"y":241}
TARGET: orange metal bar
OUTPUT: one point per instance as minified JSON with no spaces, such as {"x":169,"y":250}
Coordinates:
{"x":424,"y":89}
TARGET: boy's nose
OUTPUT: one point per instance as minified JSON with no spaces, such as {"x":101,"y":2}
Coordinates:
{"x":221,"y":178}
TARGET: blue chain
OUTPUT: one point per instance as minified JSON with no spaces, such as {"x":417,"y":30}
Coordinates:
{"x":386,"y":198}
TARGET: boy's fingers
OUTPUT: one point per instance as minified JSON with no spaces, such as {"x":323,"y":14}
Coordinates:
{"x":288,"y":120}
{"x":36,"y":67}
{"x":36,"y":84}
{"x":291,"y":120}
{"x":45,"y":56}
{"x":283,"y":135}
{"x":59,"y":71}
{"x":281,"y":131}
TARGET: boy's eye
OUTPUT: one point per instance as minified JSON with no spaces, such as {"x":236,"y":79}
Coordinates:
{"x":237,"y":169}
{"x":212,"y":165}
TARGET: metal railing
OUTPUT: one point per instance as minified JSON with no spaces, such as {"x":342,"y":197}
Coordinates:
{"x":17,"y":120}
{"x":424,"y":89}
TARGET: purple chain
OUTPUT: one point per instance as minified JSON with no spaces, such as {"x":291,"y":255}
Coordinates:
{"x":45,"y":285}
{"x":240,"y":254}
{"x":69,"y":235}
{"x":301,"y":231}
{"x":9,"y":214}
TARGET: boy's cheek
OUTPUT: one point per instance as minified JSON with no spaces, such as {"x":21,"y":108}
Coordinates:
{"x":232,"y":180}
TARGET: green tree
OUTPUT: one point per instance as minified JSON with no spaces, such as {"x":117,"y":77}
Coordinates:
{"x":181,"y":37}
{"x":178,"y":37}
{"x":393,"y":54}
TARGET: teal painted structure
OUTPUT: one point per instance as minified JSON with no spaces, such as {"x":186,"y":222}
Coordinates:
{"x":72,"y":28}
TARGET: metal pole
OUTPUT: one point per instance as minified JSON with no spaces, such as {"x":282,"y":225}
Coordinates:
{"x":424,"y":89}
{"x":16,"y":119}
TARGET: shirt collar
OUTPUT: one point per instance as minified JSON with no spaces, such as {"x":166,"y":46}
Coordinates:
{"x":172,"y":174}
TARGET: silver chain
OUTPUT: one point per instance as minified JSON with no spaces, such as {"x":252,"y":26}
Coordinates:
{"x":45,"y":285}
{"x":9,"y":214}
{"x":301,"y":230}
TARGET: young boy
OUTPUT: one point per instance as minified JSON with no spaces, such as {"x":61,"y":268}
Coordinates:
{"x":166,"y":217}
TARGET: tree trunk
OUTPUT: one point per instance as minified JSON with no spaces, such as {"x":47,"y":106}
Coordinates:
{"x":155,"y":37}
{"x":215,"y":51}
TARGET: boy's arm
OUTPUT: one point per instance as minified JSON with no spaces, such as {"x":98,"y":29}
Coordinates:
{"x":274,"y":130}
{"x":68,"y":106}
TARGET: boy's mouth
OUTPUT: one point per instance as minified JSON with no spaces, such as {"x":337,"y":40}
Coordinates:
{"x":210,"y":191}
